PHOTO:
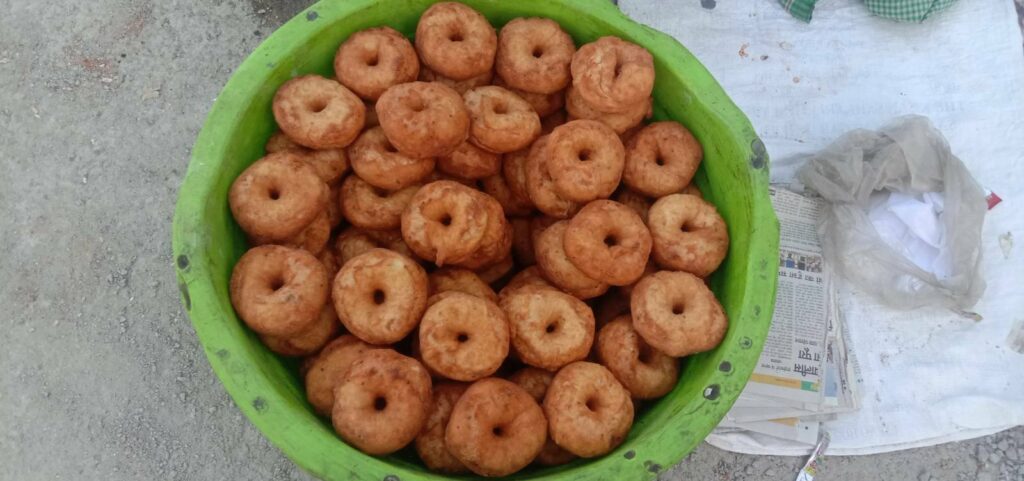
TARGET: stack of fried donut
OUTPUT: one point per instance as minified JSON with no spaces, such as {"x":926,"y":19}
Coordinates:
{"x":515,"y":259}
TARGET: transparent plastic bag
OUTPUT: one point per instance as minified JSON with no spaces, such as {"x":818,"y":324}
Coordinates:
{"x":910,"y":157}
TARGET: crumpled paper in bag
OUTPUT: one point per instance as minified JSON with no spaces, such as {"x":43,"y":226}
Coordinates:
{"x":881,"y":186}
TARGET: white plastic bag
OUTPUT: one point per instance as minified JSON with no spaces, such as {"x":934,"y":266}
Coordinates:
{"x":909,"y":157}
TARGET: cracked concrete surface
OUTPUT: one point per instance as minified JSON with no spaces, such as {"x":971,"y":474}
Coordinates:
{"x":101,"y":375}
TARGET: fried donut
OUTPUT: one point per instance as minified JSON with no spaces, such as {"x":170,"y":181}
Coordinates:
{"x":497,"y":270}
{"x":543,"y":104}
{"x":496,"y":243}
{"x":423,"y":119}
{"x":585,"y":159}
{"x":530,"y":276}
{"x":496,"y":187}
{"x":549,"y":328}
{"x":607,"y":241}
{"x":464,"y":337}
{"x":277,"y":197}
{"x":468,"y":161}
{"x":612,"y":74}
{"x":460,"y":86}
{"x":513,"y":169}
{"x":318,"y":112}
{"x":688,"y":234}
{"x":534,"y":55}
{"x":501,"y":120}
{"x":644,"y":371}
{"x":278,"y":291}
{"x":312,"y":239}
{"x":638,"y":202}
{"x":456,"y":41}
{"x":380,"y":295}
{"x":327,"y":369}
{"x":370,"y":207}
{"x":460,"y":280}
{"x":589,"y":412}
{"x":381,"y":404}
{"x":381,"y":165}
{"x":430,"y":442}
{"x":372,"y":60}
{"x":522,"y":242}
{"x":330,"y":164}
{"x":310,"y":340}
{"x":677,"y":314}
{"x":661,"y":159}
{"x":550,"y":121}
{"x":541,"y":186}
{"x":535,"y":382}
{"x":495,"y":428}
{"x":618,"y":121}
{"x":554,"y":263}
{"x":445,"y":220}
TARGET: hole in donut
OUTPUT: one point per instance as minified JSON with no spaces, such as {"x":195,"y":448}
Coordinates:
{"x":659,"y":161}
{"x":498,"y":431}
{"x":455,"y":37}
{"x":500,"y":108}
{"x":537,"y":52}
{"x":317,"y":106}
{"x":592,"y":404}
{"x":276,"y":283}
{"x":584,"y":155}
{"x":618,"y":69}
{"x":416,"y":104}
{"x":686,"y":227}
{"x":274,"y":194}
{"x":390,"y":148}
{"x":378,"y":297}
{"x":380,"y":403}
{"x":611,"y":241}
{"x":677,"y":308}
{"x":445,"y":220}
{"x":551,"y":327}
{"x":372,"y":61}
{"x":462,"y":337}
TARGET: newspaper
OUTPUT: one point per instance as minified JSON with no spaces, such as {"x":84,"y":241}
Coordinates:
{"x":807,"y":372}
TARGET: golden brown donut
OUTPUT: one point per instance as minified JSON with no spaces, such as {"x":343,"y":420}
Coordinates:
{"x":423,"y":119}
{"x":589,"y":412}
{"x":677,"y":314}
{"x":456,"y":41}
{"x":541,"y":186}
{"x":534,"y":55}
{"x":688,"y":234}
{"x":496,"y":428}
{"x":445,"y":220}
{"x":318,"y":112}
{"x":544,"y":104}
{"x":552,"y":120}
{"x":585,"y":159}
{"x":381,"y":165}
{"x":370,"y":207}
{"x":326,"y":370}
{"x":460,"y":86}
{"x":620,"y":122}
{"x":513,"y":169}
{"x":310,"y":340}
{"x":496,"y":243}
{"x":549,"y":328}
{"x":278,"y":291}
{"x":535,"y":381}
{"x":372,"y":60}
{"x":460,"y":280}
{"x":497,"y":270}
{"x":554,"y":263}
{"x":330,"y":164}
{"x":380,"y":295}
{"x":644,"y":371}
{"x":430,"y":442}
{"x":312,"y":239}
{"x":501,"y":120}
{"x":612,"y":74}
{"x":496,"y":187}
{"x":470,"y":162}
{"x":277,"y":197}
{"x":522,"y":242}
{"x":464,"y":337}
{"x":607,"y":241}
{"x":382,"y":402}
{"x":638,"y":202}
{"x":661,"y":159}
{"x":530,"y":276}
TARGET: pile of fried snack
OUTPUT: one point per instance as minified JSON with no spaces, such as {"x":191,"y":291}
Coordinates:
{"x":477,"y":243}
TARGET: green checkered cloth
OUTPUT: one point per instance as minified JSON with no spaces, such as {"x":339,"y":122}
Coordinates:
{"x":899,"y":10}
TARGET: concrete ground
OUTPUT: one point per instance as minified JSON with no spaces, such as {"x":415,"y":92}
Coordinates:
{"x":101,"y":375}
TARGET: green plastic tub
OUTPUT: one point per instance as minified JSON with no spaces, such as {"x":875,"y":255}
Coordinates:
{"x":267,"y":388}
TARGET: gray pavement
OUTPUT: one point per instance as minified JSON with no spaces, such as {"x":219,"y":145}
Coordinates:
{"x":101,"y":375}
